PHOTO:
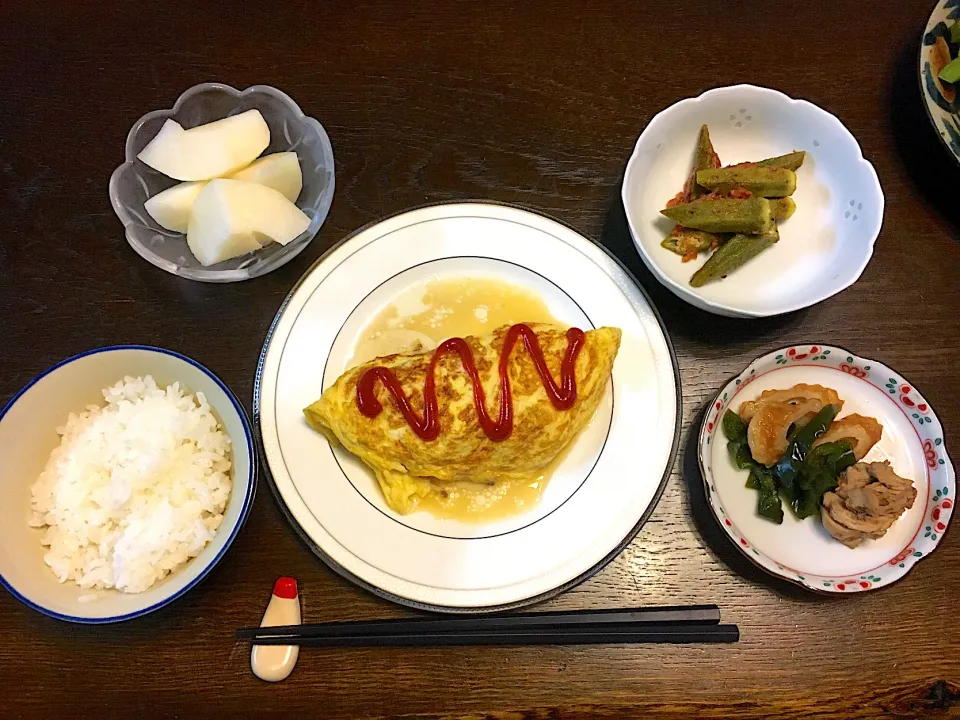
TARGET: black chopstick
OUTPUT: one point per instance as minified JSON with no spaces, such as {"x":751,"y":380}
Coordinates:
{"x":544,"y":636}
{"x":585,"y":619}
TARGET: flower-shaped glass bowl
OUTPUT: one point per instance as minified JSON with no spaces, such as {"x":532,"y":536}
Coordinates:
{"x":290,"y":130}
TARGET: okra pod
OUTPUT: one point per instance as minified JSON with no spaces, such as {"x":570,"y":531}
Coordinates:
{"x":684,"y":241}
{"x":706,"y":159}
{"x":790,"y":161}
{"x":753,"y":215}
{"x":782,"y":208}
{"x":731,"y":255}
{"x":762,"y":181}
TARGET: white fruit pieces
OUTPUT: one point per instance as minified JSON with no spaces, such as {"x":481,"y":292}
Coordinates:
{"x":280,"y":171}
{"x":208,"y":151}
{"x":234,"y":217}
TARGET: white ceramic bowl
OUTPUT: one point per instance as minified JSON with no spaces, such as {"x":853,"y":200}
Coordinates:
{"x":134,"y":182}
{"x":823,"y":248}
{"x":28,"y":435}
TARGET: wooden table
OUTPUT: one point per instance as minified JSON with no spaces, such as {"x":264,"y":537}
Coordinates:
{"x":534,"y":103}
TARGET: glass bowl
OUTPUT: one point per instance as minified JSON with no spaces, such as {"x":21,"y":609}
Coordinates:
{"x":290,"y":130}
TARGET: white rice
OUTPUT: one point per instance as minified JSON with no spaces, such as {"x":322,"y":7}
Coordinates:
{"x":135,"y":489}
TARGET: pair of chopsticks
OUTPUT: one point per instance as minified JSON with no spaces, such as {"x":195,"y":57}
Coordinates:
{"x":693,"y":624}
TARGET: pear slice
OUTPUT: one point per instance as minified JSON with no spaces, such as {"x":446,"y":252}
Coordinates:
{"x":280,"y":171}
{"x":208,"y":151}
{"x":169,"y":129}
{"x":171,"y":208}
{"x":233,"y":217}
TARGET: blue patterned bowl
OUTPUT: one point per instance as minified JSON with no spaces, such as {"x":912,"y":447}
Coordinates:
{"x":942,"y":101}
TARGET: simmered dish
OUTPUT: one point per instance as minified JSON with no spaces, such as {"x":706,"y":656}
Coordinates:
{"x":867,"y":501}
{"x":796,"y":451}
{"x":478,"y":409}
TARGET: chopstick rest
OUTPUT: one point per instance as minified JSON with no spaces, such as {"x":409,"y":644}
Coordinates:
{"x":274,"y":663}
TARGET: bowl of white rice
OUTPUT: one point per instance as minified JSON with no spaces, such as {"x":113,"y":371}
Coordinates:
{"x":126,"y":474}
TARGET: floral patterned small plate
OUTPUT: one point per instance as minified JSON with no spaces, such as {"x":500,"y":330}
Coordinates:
{"x":801,"y":551}
{"x":942,"y":100}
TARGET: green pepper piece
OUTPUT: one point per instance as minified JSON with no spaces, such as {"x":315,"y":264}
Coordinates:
{"x":736,"y":431}
{"x":762,"y":181}
{"x":955,"y":32}
{"x":819,"y":473}
{"x":734,"y":427}
{"x":740,"y":454}
{"x":769,"y":505}
{"x":760,"y":479}
{"x":733,"y":254}
{"x":790,"y":161}
{"x":807,"y":503}
{"x":752,"y":215}
{"x":831,"y":457}
{"x":788,"y":468}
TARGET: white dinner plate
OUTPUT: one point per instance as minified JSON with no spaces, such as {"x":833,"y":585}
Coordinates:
{"x":598,"y":497}
{"x":802,"y":551}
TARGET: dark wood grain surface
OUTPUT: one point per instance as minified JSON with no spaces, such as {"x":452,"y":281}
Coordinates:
{"x":537,"y":103}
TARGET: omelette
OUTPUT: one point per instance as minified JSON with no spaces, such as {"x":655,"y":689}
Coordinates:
{"x":409,"y":468}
